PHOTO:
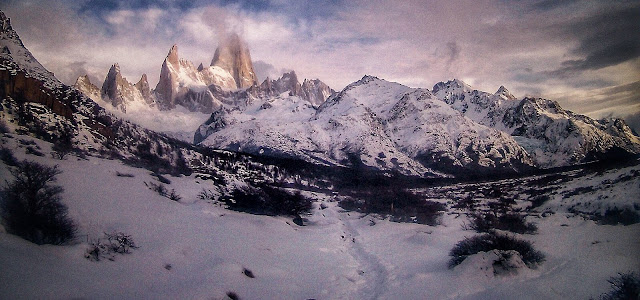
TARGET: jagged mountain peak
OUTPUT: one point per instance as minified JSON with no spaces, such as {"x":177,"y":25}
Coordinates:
{"x":14,"y":50}
{"x":115,"y":69}
{"x":504,"y":92}
{"x":232,"y":55}
{"x":451,"y":86}
{"x":143,"y":78}
{"x":84,"y":84}
{"x":121,"y":93}
{"x":172,"y":56}
{"x":82,"y":80}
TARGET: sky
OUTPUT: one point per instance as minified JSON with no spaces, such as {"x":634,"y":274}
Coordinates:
{"x":584,"y":54}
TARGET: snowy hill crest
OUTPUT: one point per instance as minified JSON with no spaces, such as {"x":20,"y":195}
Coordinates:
{"x":372,"y":122}
{"x":552,"y":135}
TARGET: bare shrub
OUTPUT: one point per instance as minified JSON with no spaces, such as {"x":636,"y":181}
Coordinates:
{"x":33,"y":208}
{"x":539,"y":200}
{"x":112,"y":243}
{"x":400,"y":205}
{"x":624,"y":286}
{"x":6,"y":155}
{"x":174,"y":196}
{"x":34,"y":150}
{"x":491,"y":241}
{"x":509,"y":221}
{"x":615,"y":216}
{"x":206,"y":195}
{"x":63,"y":145}
{"x":268,"y":200}
{"x":161,"y":189}
{"x":120,"y":242}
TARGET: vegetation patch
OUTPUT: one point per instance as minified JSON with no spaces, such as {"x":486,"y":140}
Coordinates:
{"x":109,"y":245}
{"x":624,"y":286}
{"x":490,"y":241}
{"x":33,"y":208}
{"x":267,"y":200}
{"x":399,"y":205}
{"x":508,"y":221}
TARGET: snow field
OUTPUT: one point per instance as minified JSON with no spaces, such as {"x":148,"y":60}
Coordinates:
{"x":339,"y":255}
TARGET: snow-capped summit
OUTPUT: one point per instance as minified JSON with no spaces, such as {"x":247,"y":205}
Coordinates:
{"x":181,"y":82}
{"x":552,"y":135}
{"x":372,"y":123}
{"x":233,"y":56}
{"x":314,"y":91}
{"x":451,"y":90}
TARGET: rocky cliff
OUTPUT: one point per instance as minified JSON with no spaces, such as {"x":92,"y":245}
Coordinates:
{"x":232,"y":55}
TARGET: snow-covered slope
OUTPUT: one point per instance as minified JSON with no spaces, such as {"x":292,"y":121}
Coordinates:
{"x":380,"y":124}
{"x":195,"y":249}
{"x":551,"y":135}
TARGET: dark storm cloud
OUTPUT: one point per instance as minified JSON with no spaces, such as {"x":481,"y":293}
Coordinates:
{"x":552,"y":4}
{"x":606,"y":39}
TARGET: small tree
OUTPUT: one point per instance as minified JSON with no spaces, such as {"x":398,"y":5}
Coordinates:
{"x":33,"y":207}
{"x":63,"y":145}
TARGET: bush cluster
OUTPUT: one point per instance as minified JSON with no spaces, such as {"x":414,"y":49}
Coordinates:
{"x":624,"y":286}
{"x":400,"y":205}
{"x":509,"y":221}
{"x":32,"y":207}
{"x":6,"y":155}
{"x":267,"y":200}
{"x":116,"y":243}
{"x":161,"y":189}
{"x":490,"y":241}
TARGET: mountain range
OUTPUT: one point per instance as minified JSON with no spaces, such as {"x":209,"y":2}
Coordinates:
{"x":372,"y":123}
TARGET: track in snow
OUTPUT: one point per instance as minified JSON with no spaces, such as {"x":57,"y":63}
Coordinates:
{"x":371,"y":275}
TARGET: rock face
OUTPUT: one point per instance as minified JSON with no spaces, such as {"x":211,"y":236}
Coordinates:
{"x":229,"y":79}
{"x":371,"y":123}
{"x":84,"y":85}
{"x":181,"y":83}
{"x":233,"y":56}
{"x":24,"y":79}
{"x":316,"y":91}
{"x":121,"y":93}
{"x":143,"y":86}
{"x":552,"y":135}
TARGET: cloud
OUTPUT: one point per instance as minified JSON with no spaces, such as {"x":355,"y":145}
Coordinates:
{"x":563,"y":50}
{"x":604,"y":39}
